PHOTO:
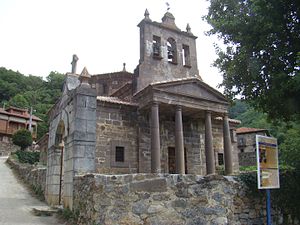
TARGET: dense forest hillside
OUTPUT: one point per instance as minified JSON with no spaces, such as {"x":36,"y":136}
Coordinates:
{"x":22,"y":91}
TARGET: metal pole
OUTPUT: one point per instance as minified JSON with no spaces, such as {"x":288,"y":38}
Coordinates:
{"x":30,"y":121}
{"x":269,"y":219}
{"x":61,"y":175}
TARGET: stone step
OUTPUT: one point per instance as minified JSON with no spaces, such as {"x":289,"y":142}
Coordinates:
{"x":44,"y":211}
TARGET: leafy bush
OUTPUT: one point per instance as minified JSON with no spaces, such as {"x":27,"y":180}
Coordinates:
{"x":28,"y":157}
{"x":22,"y":138}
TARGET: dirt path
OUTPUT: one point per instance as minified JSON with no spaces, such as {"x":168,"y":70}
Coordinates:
{"x":16,"y":202}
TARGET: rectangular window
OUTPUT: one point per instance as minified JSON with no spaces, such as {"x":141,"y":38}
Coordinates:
{"x":241,"y":142}
{"x":220,"y":159}
{"x":120,"y":154}
{"x":186,"y":61}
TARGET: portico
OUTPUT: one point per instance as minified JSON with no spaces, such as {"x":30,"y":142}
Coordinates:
{"x":201,"y":103}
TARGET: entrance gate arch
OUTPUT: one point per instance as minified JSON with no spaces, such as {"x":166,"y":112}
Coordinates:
{"x":72,"y":140}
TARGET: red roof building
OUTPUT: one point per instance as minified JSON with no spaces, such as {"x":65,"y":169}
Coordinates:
{"x":13,"y":119}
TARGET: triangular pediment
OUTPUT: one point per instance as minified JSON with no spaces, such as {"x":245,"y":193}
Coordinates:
{"x":191,"y":88}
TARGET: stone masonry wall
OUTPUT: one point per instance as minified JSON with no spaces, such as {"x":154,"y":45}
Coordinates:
{"x":33,"y":175}
{"x":166,"y":200}
{"x":116,"y":126}
{"x":247,"y":158}
{"x":6,"y":147}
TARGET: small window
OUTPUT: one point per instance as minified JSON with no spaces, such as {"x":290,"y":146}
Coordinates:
{"x":220,"y":159}
{"x":156,"y":47}
{"x":241,"y":142}
{"x":186,"y":60}
{"x":120,"y":154}
{"x":242,"y":150}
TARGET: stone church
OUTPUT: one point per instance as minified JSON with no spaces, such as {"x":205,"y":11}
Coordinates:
{"x":162,"y":118}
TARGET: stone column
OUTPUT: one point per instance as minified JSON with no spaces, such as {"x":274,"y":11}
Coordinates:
{"x":155,"y":139}
{"x":179,"y":146}
{"x":209,"y":152}
{"x":227,"y":146}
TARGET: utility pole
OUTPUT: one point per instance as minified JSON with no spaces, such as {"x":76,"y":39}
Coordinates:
{"x":30,"y":120}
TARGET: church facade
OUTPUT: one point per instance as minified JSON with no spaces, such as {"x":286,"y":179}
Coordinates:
{"x":160,"y":119}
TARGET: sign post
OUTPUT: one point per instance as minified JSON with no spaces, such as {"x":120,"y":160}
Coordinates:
{"x":267,"y":168}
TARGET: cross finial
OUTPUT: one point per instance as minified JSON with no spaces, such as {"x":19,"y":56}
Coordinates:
{"x":168,"y":6}
{"x":74,"y":63}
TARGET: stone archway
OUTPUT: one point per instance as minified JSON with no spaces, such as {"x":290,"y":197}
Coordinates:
{"x":55,"y":166}
{"x":72,"y":140}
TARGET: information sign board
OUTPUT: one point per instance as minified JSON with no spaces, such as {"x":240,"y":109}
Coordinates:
{"x":267,"y":162}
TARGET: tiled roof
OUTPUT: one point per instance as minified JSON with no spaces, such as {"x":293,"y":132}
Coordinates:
{"x":26,"y":116}
{"x":115,"y":100}
{"x":242,"y":130}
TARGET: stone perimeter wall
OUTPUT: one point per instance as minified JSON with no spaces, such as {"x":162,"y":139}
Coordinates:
{"x":166,"y":200}
{"x":35,"y":176}
{"x":6,"y":148}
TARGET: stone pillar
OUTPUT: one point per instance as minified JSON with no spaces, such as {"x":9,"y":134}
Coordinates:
{"x":227,"y":146}
{"x":209,"y":152}
{"x":179,"y":145}
{"x":80,"y":145}
{"x":155,"y":139}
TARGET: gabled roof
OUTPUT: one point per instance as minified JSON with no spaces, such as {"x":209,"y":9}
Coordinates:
{"x":243,"y":130}
{"x":189,"y":87}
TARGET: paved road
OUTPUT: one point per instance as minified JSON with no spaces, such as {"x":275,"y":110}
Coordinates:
{"x":16,"y":202}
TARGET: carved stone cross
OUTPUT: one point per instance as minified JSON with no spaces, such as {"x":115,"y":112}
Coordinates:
{"x":74,"y":63}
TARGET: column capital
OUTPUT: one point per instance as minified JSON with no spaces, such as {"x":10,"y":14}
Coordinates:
{"x":178,"y":107}
{"x":226,"y":114}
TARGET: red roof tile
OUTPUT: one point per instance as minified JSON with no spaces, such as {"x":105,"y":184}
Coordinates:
{"x":242,"y":130}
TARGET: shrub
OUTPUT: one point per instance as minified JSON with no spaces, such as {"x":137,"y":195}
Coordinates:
{"x":22,"y":138}
{"x":28,"y":157}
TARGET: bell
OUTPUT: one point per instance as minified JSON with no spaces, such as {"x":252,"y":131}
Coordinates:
{"x":155,"y":50}
{"x":170,"y":53}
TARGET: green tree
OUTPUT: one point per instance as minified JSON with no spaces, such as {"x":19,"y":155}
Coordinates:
{"x":19,"y":101}
{"x":22,"y":138}
{"x":290,"y":147}
{"x":261,"y":59}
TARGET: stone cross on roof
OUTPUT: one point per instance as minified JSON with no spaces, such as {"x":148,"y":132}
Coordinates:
{"x":74,"y":63}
